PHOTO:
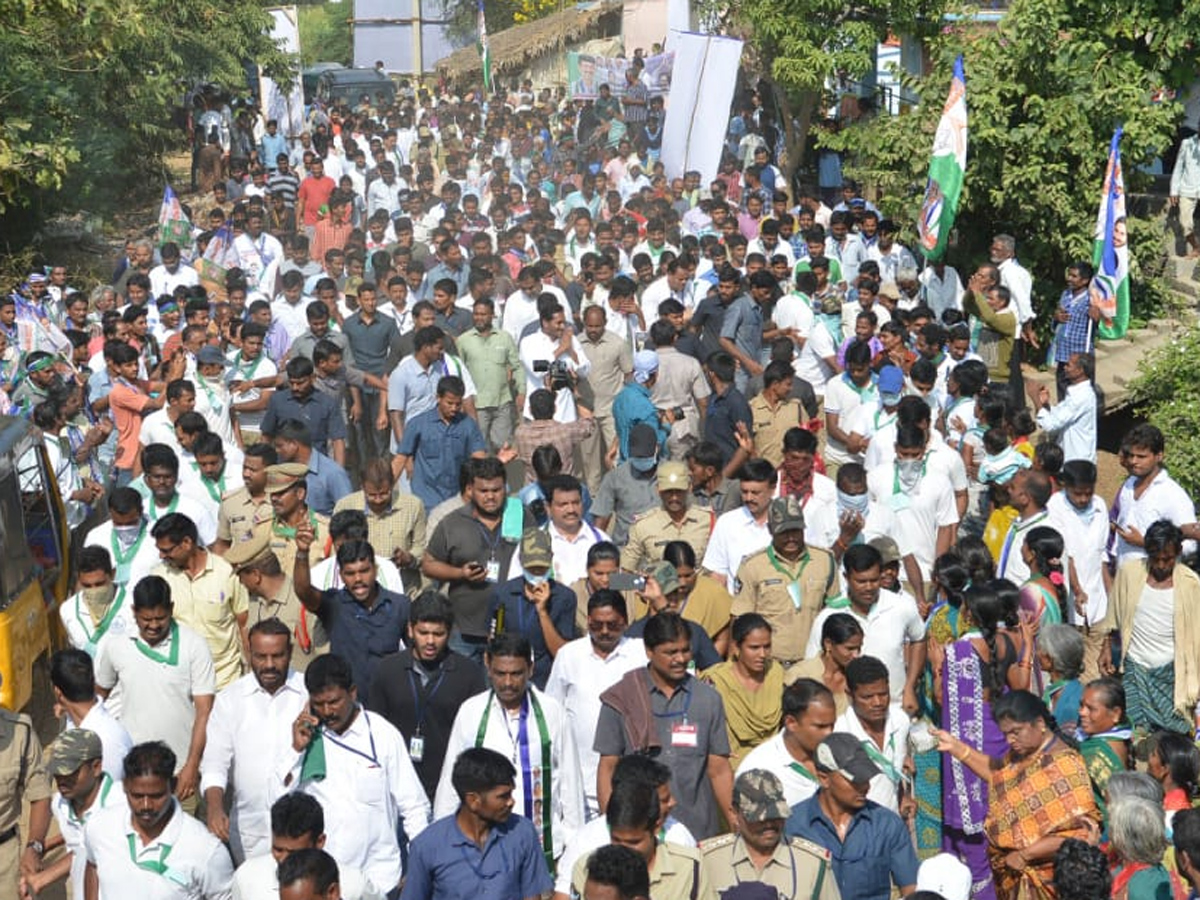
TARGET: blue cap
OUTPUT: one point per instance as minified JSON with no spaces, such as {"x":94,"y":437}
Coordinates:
{"x":891,"y":380}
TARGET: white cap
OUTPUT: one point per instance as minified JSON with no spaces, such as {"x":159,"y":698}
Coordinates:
{"x":946,"y":875}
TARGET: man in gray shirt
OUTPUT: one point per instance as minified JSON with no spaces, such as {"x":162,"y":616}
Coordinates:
{"x":686,"y":727}
{"x":631,"y":488}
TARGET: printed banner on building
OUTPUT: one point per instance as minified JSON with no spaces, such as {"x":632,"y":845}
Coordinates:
{"x":586,"y":72}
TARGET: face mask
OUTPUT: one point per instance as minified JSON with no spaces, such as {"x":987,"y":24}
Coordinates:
{"x":127,"y":534}
{"x":643,"y":464}
{"x":854,"y":503}
{"x":889,"y":399}
{"x":536,"y":580}
{"x":909,"y":471}
{"x":1087,"y":513}
{"x":98,"y":599}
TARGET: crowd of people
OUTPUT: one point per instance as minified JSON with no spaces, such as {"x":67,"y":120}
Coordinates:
{"x":513,"y":521}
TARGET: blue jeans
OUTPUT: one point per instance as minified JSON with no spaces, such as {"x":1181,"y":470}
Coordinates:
{"x":122,"y":477}
{"x":470,"y":649}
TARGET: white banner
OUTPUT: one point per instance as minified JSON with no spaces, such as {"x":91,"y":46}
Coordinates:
{"x":705,"y":76}
{"x":286,"y":106}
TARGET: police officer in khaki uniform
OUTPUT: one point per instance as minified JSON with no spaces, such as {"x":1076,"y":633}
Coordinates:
{"x":758,"y":852}
{"x":787,"y":583}
{"x":272,"y":596}
{"x":247,"y":508}
{"x":675,"y":520}
{"x":287,"y":486}
{"x":22,"y":777}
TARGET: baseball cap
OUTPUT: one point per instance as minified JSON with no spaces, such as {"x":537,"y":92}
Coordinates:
{"x":666,"y":576}
{"x":891,"y":380}
{"x":946,"y":875}
{"x":758,"y":796}
{"x":844,"y":754}
{"x":645,"y":364}
{"x":211,"y":356}
{"x":785,"y":514}
{"x":887,"y":548}
{"x":535,"y":549}
{"x":72,"y":749}
{"x":673,"y":476}
{"x":643,"y":442}
{"x":282,"y":476}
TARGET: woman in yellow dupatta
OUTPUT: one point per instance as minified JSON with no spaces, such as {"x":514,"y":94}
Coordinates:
{"x":1039,"y":795}
{"x":750,"y":685}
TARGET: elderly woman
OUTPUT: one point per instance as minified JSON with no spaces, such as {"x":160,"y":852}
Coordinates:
{"x":1104,"y":732}
{"x":1060,"y":655}
{"x":841,"y":642}
{"x":1139,"y":840}
{"x":1024,"y":832}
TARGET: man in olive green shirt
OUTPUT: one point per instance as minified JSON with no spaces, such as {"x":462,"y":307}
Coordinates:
{"x":495,"y":365}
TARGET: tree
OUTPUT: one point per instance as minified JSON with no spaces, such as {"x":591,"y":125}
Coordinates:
{"x":1045,"y":88}
{"x":89,"y":90}
{"x":799,"y":45}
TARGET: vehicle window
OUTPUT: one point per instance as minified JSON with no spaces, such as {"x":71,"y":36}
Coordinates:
{"x":40,"y":524}
{"x":16,"y":563}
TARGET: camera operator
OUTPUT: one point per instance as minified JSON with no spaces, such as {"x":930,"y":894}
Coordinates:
{"x":553,"y":359}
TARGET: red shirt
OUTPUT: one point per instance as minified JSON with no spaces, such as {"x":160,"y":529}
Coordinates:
{"x":315,"y":194}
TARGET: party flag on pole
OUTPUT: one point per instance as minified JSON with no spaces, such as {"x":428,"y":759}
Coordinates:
{"x":173,"y":224}
{"x":485,"y":52}
{"x":946,"y":170}
{"x":1110,"y":255}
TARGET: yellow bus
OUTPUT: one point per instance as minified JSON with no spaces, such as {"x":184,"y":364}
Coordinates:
{"x":34,"y":561}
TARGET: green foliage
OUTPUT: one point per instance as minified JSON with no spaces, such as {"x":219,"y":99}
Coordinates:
{"x":90,"y":89}
{"x":325,"y":33}
{"x":1167,"y":392}
{"x":1045,"y":89}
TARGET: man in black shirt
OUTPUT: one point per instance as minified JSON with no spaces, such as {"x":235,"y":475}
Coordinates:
{"x":420,"y":689}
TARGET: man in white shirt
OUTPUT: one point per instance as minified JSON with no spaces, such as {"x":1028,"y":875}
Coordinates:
{"x":290,"y":308}
{"x":249,"y":729}
{"x":553,"y":343}
{"x":1071,"y":423}
{"x":1028,"y":493}
{"x":809,"y":716}
{"x":74,"y":679}
{"x":160,"y":474}
{"x":520,"y":309}
{"x":1017,"y":279}
{"x":356,"y":764}
{"x":84,"y":789}
{"x":126,"y":535}
{"x":172,"y":273}
{"x":166,"y":677}
{"x":159,"y":426}
{"x":892,"y":257}
{"x":1148,"y":494}
{"x":1081,"y":518}
{"x":100,"y":607}
{"x":585,"y":668}
{"x":742,"y":532}
{"x":882,"y":727}
{"x":921,"y":500}
{"x":521,"y":723}
{"x":257,"y":251}
{"x":152,"y":849}
{"x":297,"y":823}
{"x":893,"y":631}
{"x":570,"y":536}
{"x":941,"y":288}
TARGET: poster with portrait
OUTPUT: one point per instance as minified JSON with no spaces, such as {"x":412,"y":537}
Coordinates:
{"x":586,"y":72}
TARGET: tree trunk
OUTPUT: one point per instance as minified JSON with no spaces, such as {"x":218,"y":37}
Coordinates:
{"x":796,"y":125}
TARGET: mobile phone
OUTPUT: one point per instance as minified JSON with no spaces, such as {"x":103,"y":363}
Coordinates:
{"x":626,"y":581}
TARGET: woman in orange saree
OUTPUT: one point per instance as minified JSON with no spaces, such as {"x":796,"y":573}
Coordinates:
{"x":1039,"y":795}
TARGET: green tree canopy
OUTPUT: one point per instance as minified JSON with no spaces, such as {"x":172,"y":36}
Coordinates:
{"x":1045,"y":89}
{"x":89,"y":89}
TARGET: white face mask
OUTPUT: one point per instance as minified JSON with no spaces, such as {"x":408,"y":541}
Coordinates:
{"x":128,"y":534}
{"x":536,"y":580}
{"x":909,"y":471}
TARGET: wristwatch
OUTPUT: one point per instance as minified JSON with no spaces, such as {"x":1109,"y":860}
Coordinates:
{"x":37,"y":846}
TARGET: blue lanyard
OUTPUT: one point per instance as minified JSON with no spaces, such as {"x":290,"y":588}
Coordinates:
{"x":681,"y":713}
{"x":372,"y":758}
{"x":421,"y":703}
